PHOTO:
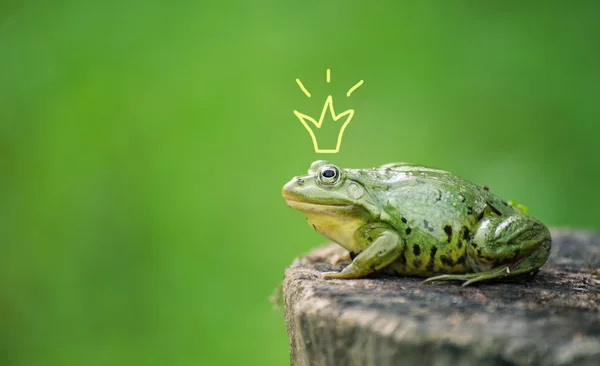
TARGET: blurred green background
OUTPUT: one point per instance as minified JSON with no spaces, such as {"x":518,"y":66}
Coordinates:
{"x":143,"y":146}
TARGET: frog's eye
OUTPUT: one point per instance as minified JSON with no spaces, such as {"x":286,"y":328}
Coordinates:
{"x":329,"y":175}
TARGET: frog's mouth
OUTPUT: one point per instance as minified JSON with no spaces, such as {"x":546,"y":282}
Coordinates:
{"x":314,"y":205}
{"x":298,"y":204}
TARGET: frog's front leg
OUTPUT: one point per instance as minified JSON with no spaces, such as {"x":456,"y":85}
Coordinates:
{"x":504,"y":247}
{"x":384,"y":250}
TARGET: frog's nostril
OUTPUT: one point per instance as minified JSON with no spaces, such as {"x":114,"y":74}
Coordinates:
{"x":289,"y":188}
{"x":300,"y":181}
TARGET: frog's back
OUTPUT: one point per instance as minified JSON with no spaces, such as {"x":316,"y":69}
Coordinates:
{"x":434,"y":211}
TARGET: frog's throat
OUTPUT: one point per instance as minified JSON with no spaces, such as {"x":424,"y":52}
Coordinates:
{"x":333,"y":222}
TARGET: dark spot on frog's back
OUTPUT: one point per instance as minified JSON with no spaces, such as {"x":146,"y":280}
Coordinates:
{"x":448,"y":231}
{"x":431,"y":263}
{"x":447,"y":260}
{"x":416,"y":250}
{"x":466,"y":233}
{"x":470,"y":210}
{"x":408,"y":230}
{"x":462,"y":259}
{"x":403,"y":220}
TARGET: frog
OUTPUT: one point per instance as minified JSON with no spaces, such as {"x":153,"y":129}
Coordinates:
{"x":413,"y":220}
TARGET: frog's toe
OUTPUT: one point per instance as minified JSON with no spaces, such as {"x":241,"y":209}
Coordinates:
{"x":448,"y":277}
{"x":472,"y":280}
{"x":332,"y":275}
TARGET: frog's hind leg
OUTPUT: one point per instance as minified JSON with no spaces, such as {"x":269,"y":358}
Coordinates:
{"x":504,"y":247}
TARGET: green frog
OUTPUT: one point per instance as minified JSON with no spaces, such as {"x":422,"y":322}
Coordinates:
{"x":418,"y":221}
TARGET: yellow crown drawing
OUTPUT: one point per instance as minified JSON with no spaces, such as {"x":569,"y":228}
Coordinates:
{"x":305,"y":119}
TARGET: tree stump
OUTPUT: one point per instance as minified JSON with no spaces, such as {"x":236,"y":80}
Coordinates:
{"x":552,"y":319}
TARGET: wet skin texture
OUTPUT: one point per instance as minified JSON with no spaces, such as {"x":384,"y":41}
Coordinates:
{"x":418,"y":221}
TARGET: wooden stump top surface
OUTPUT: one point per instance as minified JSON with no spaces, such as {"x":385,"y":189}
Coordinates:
{"x":552,"y":319}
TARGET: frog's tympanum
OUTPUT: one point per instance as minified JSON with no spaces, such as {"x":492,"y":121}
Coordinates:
{"x":418,"y":221}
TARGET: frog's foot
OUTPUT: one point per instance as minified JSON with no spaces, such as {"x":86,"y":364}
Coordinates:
{"x":384,"y":250}
{"x":468,"y":277}
{"x":336,"y":275}
{"x":471,"y":278}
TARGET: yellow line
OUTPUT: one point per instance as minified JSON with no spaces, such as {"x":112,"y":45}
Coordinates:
{"x":328,"y":75}
{"x":303,"y":88}
{"x":354,"y":87}
{"x":328,"y":106}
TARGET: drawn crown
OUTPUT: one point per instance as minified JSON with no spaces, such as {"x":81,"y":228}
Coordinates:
{"x":310,"y":123}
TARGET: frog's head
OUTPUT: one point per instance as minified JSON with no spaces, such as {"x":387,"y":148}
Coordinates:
{"x":330,"y":199}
